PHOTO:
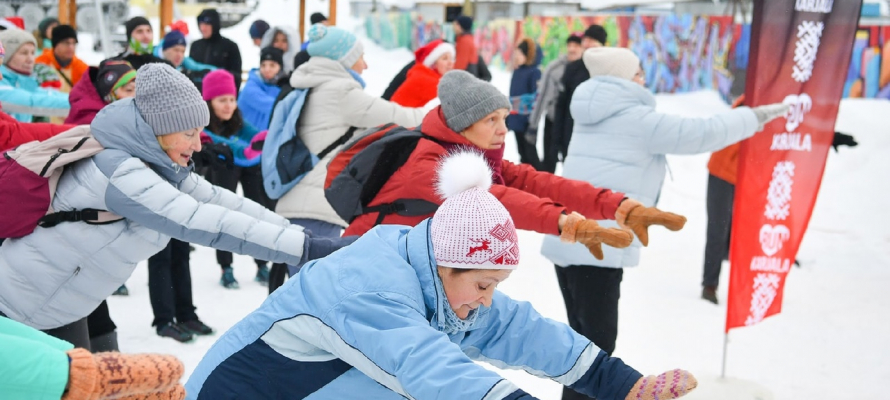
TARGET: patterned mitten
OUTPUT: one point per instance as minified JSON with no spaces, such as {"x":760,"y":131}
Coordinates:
{"x":114,"y":375}
{"x":633,"y":215}
{"x":175,"y":393}
{"x":587,"y":232}
{"x":669,"y":385}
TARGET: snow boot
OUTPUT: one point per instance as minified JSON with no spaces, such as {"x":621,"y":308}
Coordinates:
{"x":196,"y":327}
{"x":121,"y":291}
{"x":228,"y":278}
{"x":262,"y":275}
{"x":105,"y":342}
{"x":709,"y":293}
{"x":174,"y":332}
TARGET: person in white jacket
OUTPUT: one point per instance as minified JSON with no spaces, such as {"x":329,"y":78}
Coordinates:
{"x":620,"y":142}
{"x":336,"y":102}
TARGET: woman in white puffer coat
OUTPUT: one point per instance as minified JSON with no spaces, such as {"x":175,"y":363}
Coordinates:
{"x":54,"y":277}
{"x":620,"y":142}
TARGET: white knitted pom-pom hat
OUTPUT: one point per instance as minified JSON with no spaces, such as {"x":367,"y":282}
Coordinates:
{"x":471,"y":229}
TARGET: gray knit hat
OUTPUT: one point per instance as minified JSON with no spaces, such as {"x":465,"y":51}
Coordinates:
{"x":168,"y":101}
{"x":12,"y":39}
{"x":611,"y":61}
{"x":466,"y":99}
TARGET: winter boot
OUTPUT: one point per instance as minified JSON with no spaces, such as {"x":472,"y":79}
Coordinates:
{"x":228,"y":278}
{"x":262,"y":275}
{"x":121,"y":291}
{"x":105,"y":342}
{"x":709,"y":293}
{"x":669,"y":385}
{"x":196,"y":327}
{"x":113,"y":375}
{"x":174,"y":332}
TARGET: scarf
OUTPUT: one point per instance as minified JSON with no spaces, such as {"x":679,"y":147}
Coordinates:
{"x":357,"y":77}
{"x":449,"y":322}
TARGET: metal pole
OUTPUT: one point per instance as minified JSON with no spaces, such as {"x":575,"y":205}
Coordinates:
{"x":103,"y":34}
{"x":725,"y":345}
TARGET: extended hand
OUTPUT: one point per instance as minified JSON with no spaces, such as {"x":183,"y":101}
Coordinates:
{"x":592,"y":235}
{"x":669,"y":385}
{"x":638,"y":218}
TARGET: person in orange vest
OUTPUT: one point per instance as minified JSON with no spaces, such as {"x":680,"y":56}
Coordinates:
{"x":722,"y":177}
{"x":61,"y":57}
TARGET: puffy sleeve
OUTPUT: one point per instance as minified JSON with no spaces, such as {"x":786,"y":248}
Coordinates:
{"x":515,"y":336}
{"x":137,"y":193}
{"x":362,"y":110}
{"x":671,"y":134}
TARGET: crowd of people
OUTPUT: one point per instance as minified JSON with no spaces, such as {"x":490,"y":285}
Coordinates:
{"x":393,"y":299}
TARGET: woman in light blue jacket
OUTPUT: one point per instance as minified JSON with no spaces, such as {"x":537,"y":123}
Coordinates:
{"x":404,"y":312}
{"x":620,"y":142}
{"x":20,"y":92}
{"x":54,"y":277}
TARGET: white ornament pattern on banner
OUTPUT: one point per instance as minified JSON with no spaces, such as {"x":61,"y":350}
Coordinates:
{"x":778,"y":198}
{"x":809,"y":35}
{"x":766,"y":286}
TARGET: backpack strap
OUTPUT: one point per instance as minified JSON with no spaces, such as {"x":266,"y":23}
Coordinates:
{"x":340,"y":141}
{"x":88,"y":215}
{"x":403,"y":207}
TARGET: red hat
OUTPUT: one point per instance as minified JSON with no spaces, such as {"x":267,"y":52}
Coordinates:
{"x":428,"y":54}
{"x":17,"y":21}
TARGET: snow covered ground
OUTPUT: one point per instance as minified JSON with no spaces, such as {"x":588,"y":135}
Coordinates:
{"x":830,"y":341}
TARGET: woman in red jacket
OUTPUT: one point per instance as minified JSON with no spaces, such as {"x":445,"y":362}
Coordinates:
{"x":422,"y":81}
{"x":473,"y":115}
{"x":14,"y":133}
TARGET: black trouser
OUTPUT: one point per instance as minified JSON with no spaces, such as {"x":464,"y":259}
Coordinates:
{"x":551,"y":148}
{"x":76,"y":333}
{"x":251,"y":179}
{"x":170,"y":284}
{"x":720,"y":199}
{"x":591,"y":295}
{"x":528,"y":153}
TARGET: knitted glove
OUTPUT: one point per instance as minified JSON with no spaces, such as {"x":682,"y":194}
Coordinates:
{"x":215,"y":154}
{"x":256,"y":146}
{"x":592,"y":235}
{"x":768,"y":113}
{"x":114,"y":375}
{"x":175,"y":393}
{"x":633,"y":215}
{"x":669,"y":385}
{"x":841,"y":139}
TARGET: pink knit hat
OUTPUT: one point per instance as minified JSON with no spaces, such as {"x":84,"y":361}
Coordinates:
{"x":471,"y":229}
{"x":218,"y":83}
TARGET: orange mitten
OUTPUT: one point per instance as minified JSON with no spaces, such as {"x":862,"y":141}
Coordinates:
{"x":112,"y":375}
{"x":669,"y":385}
{"x":633,"y":215}
{"x":591,"y":234}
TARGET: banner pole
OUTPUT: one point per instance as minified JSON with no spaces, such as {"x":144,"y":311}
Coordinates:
{"x":725,"y":345}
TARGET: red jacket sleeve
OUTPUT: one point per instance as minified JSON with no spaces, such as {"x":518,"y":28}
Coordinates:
{"x":590,"y":201}
{"x":14,"y":133}
{"x":465,"y":52}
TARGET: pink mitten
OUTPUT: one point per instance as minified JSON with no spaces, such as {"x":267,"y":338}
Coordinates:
{"x":256,"y":146}
{"x":669,"y":385}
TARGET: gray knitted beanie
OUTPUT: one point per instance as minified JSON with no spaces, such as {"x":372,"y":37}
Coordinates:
{"x":168,"y":101}
{"x":466,"y":99}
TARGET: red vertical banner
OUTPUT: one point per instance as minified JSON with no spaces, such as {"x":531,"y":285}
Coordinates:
{"x":800,"y":50}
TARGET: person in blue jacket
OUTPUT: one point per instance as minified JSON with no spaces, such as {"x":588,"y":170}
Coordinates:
{"x":229,"y":128}
{"x":523,"y":92}
{"x":258,"y":96}
{"x":19,"y":87}
{"x":620,"y":141}
{"x":404,"y":313}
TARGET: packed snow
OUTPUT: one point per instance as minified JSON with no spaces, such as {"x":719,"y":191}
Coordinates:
{"x":830,"y":341}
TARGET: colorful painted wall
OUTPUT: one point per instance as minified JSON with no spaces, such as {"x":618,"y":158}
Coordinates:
{"x":680,"y":53}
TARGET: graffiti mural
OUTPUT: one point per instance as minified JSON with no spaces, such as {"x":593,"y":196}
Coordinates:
{"x":679,"y":53}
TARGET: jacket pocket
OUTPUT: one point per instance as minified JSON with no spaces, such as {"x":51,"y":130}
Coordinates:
{"x":58,"y":289}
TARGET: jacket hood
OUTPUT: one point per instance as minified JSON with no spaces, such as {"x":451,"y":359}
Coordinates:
{"x":84,"y":99}
{"x":319,"y":70}
{"x":604,"y":96}
{"x":434,"y":126}
{"x":293,"y":44}
{"x":119,"y":126}
{"x":212,"y":17}
{"x":418,"y":247}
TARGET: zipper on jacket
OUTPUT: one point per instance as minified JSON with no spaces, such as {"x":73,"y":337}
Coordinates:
{"x":58,"y":289}
{"x":59,"y":154}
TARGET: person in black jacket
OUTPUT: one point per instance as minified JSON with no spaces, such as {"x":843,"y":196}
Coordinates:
{"x":140,"y":46}
{"x":575,"y":74}
{"x":214,"y":49}
{"x":397,"y":81}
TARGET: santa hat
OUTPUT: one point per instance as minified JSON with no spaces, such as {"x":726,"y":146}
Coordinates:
{"x":471,"y":229}
{"x":429,"y":54}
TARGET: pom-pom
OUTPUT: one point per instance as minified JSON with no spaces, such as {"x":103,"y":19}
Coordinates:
{"x":317,"y":32}
{"x":462,"y":171}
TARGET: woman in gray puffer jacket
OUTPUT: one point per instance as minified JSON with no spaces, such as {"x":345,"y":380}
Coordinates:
{"x":55,"y":277}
